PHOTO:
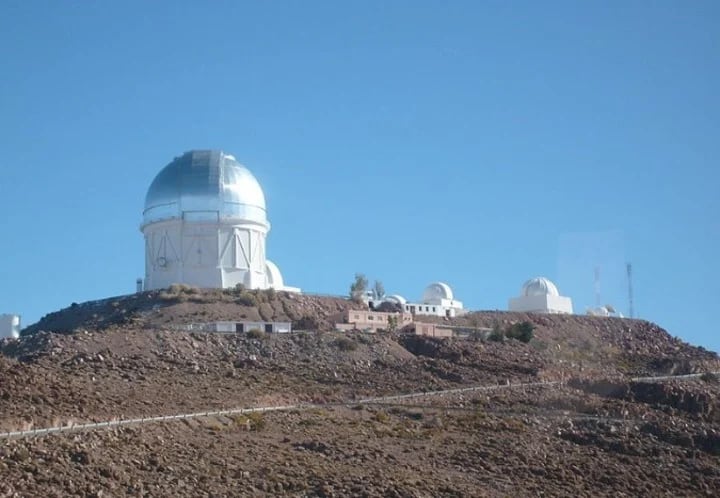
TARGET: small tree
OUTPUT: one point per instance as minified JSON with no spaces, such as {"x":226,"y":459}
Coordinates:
{"x":358,"y":287}
{"x":392,"y":324}
{"x":497,"y":334}
{"x":378,"y":290}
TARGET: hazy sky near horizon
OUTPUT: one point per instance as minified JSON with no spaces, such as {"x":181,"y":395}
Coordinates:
{"x":479,"y":143}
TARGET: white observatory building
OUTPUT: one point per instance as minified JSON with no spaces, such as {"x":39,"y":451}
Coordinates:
{"x":540,"y":295}
{"x":9,"y":326}
{"x":205,"y":225}
{"x":437,"y":300}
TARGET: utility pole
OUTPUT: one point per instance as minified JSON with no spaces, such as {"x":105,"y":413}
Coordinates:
{"x":630,"y":291}
{"x":597,"y":286}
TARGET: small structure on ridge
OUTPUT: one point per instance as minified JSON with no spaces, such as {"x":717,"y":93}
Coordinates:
{"x":540,"y":295}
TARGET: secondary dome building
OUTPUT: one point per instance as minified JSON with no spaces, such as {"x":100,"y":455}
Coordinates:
{"x":437,"y":300}
{"x":540,"y":295}
{"x":205,"y":225}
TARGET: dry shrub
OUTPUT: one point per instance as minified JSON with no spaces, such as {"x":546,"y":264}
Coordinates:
{"x":381,"y":417}
{"x":256,"y":334}
{"x":253,"y":421}
{"x":346,"y":344}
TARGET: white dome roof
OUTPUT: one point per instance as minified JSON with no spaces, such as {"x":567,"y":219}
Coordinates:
{"x":539,"y":286}
{"x":205,"y":185}
{"x":396,"y":298}
{"x":274,"y":277}
{"x":437,"y":290}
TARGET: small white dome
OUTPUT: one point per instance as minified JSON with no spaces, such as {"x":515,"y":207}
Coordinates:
{"x":396,"y":298}
{"x":539,"y":286}
{"x":274,"y":277}
{"x":437,"y":290}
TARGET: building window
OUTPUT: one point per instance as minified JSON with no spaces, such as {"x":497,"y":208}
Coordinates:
{"x":357,"y":317}
{"x":370,"y":317}
{"x":433,"y":309}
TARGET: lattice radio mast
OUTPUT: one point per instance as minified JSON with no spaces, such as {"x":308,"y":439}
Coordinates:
{"x":597,"y":286}
{"x":630,"y":291}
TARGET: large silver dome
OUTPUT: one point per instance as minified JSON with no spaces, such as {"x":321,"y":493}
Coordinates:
{"x":205,"y":185}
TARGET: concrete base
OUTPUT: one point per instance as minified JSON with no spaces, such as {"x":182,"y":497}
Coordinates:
{"x":541,"y":304}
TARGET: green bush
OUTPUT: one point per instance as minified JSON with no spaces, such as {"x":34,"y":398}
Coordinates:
{"x":522,"y":331}
{"x":497,"y":336}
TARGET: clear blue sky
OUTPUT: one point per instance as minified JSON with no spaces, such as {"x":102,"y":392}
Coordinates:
{"x":478,"y":143}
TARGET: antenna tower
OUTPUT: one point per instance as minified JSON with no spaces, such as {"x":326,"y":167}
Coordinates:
{"x":597,"y":286}
{"x":630,"y":291}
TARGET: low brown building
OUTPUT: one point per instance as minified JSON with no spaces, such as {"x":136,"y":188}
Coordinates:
{"x":370,"y":321}
{"x":432,"y":330}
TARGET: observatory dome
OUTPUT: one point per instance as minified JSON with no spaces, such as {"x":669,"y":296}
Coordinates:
{"x":539,"y":286}
{"x":437,"y":290}
{"x":274,"y":276}
{"x":205,"y":185}
{"x":397,"y":299}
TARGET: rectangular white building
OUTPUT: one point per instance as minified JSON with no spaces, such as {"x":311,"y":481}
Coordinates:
{"x":9,"y":326}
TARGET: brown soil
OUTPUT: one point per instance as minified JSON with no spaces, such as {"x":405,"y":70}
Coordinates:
{"x":600,"y":434}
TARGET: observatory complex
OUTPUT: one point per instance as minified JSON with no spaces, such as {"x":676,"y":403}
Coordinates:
{"x":540,"y":295}
{"x":205,"y":225}
{"x":437,"y":300}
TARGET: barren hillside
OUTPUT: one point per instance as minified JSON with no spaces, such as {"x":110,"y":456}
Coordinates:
{"x":598,"y":433}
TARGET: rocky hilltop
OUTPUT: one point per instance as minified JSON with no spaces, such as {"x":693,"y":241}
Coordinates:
{"x":181,"y":305}
{"x":597,"y":432}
